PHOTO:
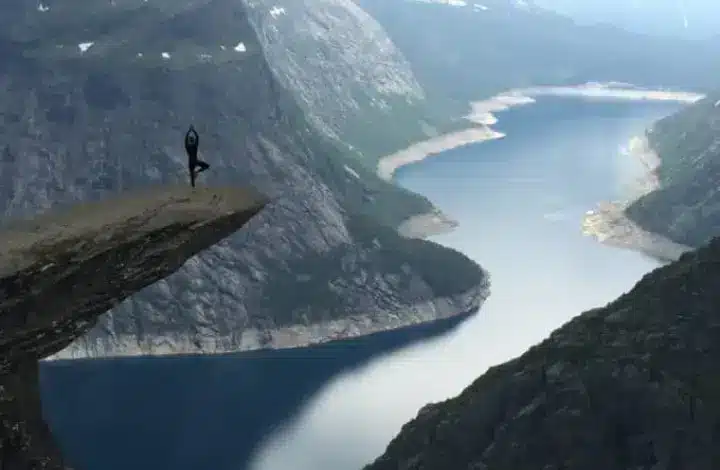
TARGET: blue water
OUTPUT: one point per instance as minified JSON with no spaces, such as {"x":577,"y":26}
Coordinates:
{"x":519,"y":200}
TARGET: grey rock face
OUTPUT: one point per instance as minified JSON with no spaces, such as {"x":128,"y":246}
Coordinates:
{"x":95,"y":99}
{"x":339,"y":62}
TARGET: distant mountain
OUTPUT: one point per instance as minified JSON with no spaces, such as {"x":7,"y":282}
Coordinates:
{"x":686,"y":208}
{"x":95,"y":98}
{"x":630,"y":385}
{"x":682,"y":18}
{"x":472,"y":50}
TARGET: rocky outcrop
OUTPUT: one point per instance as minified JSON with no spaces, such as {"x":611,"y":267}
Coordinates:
{"x":630,"y":385}
{"x":686,"y":206}
{"x":95,"y":98}
{"x":60,"y":271}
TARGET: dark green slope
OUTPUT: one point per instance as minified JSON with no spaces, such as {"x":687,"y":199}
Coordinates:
{"x":686,"y":208}
{"x":632,"y":385}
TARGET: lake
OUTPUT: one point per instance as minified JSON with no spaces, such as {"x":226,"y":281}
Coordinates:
{"x":520,"y":201}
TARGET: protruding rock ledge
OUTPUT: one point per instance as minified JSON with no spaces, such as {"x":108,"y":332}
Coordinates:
{"x":61,"y":270}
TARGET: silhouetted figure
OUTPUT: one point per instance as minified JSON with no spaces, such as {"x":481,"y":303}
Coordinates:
{"x":195,"y":166}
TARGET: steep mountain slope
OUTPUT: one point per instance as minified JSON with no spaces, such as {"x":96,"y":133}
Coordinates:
{"x":95,"y":99}
{"x":686,"y":207}
{"x":349,"y":76}
{"x":630,"y":385}
{"x":81,"y":262}
{"x":472,"y":50}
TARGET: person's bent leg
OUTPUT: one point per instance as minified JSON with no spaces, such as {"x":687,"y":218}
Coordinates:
{"x":202,"y":166}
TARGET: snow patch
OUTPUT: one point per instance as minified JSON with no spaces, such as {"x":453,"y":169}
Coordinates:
{"x":277,"y":11}
{"x":352,"y":172}
{"x":240,"y":47}
{"x":84,"y":46}
{"x":165,"y":55}
{"x":478,"y":6}
{"x":43,"y":8}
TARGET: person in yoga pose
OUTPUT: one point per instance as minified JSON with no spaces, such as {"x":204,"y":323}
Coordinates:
{"x":195,"y":166}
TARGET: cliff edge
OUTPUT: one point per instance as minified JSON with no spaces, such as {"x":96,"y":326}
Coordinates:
{"x":63,"y":269}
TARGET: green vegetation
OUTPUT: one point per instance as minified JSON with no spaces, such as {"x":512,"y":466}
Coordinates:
{"x":686,"y":208}
{"x":384,"y":269}
{"x":378,"y":132}
{"x":631,"y":385}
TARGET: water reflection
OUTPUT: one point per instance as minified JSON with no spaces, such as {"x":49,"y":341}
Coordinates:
{"x":520,"y":201}
{"x":195,"y":413}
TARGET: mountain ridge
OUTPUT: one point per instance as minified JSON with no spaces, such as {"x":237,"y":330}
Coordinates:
{"x":84,"y":124}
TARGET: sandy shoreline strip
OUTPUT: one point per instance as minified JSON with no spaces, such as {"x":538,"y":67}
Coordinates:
{"x":609,"y":224}
{"x":482,"y":117}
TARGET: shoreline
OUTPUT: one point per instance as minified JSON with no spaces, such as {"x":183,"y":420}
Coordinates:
{"x":482,"y":116}
{"x":283,"y":337}
{"x":610,"y":225}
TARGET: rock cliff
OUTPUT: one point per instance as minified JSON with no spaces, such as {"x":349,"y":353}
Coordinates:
{"x":347,"y":74}
{"x":630,"y":385}
{"x":686,"y":206}
{"x":94,"y":99}
{"x":60,"y":271}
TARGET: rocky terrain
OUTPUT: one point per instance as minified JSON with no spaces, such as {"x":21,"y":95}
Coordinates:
{"x":60,"y":271}
{"x":686,"y":206}
{"x":633,"y":384}
{"x":95,"y":100}
{"x":347,"y":74}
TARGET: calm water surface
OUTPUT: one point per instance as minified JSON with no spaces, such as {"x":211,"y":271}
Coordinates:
{"x":520,"y":201}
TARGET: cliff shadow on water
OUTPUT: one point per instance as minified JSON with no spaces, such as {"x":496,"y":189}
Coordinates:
{"x":197,"y":412}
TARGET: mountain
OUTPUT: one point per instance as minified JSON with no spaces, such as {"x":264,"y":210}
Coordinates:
{"x":686,"y":206}
{"x":348,"y":75}
{"x":473,"y":50}
{"x":81,"y":262}
{"x":633,"y":384}
{"x":681,"y":18}
{"x":95,"y":100}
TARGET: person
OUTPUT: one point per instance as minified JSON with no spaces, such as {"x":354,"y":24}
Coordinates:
{"x":195,"y":166}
